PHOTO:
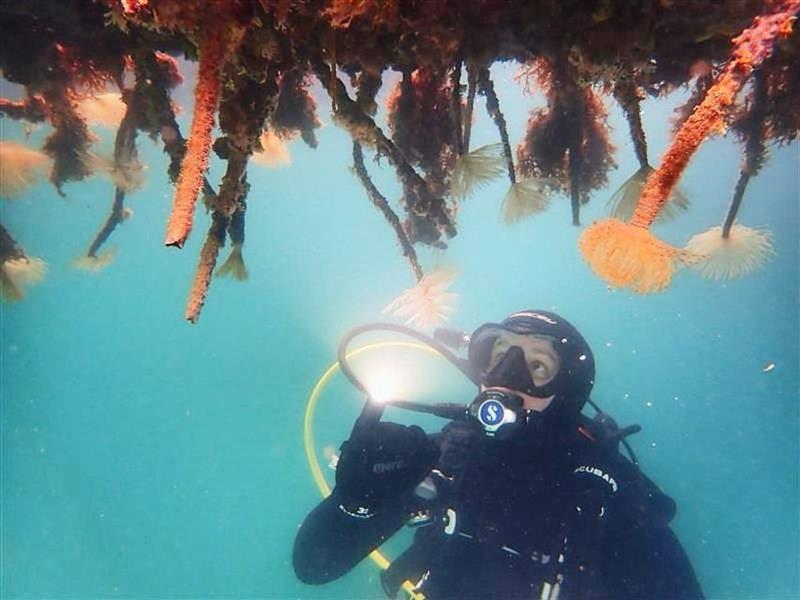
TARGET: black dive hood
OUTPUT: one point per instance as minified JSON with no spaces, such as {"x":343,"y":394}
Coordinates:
{"x":572,"y":384}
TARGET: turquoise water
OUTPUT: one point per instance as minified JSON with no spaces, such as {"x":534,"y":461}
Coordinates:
{"x":143,"y":457}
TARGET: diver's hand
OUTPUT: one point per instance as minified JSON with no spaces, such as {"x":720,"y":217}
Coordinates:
{"x":385,"y":461}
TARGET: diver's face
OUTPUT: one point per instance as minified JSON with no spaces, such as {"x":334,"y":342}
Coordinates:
{"x":541,"y":358}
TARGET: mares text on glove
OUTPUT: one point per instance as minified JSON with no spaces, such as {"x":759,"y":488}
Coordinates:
{"x":382,"y":462}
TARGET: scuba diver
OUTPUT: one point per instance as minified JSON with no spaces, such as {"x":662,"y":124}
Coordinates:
{"x":523,"y":497}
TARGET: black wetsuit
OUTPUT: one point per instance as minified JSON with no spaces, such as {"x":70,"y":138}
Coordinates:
{"x":511,"y":519}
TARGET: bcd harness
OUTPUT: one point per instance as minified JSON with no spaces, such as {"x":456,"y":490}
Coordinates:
{"x":439,"y":520}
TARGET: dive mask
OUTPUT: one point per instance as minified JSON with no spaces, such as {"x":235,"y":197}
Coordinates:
{"x":524,"y":363}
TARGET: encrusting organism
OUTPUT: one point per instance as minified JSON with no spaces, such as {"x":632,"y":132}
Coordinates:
{"x":217,"y":30}
{"x":216,"y":44}
{"x":17,"y":269}
{"x":703,"y":81}
{"x":628,"y":254}
{"x":156,"y":74}
{"x":215,"y":240}
{"x":232,"y":188}
{"x":623,"y":201}
{"x":245,"y":108}
{"x":770,"y":115}
{"x":732,"y":250}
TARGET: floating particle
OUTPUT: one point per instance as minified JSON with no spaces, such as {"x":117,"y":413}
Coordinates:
{"x":329,"y":453}
{"x":768,"y":367}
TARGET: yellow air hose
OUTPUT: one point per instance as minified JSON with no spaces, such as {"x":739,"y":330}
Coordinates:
{"x":308,"y":438}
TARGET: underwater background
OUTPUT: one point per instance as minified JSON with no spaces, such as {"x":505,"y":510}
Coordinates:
{"x":143,"y":457}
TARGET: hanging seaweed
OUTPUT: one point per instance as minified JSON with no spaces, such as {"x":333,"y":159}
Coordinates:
{"x":732,"y":250}
{"x":428,"y":216}
{"x":382,"y":205}
{"x":627,"y":254}
{"x":65,"y":55}
{"x":567,"y":144}
{"x":421,"y":123}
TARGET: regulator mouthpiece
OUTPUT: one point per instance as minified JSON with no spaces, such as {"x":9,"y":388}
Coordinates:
{"x":498,"y":413}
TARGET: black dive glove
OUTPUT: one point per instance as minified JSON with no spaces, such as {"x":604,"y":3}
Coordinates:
{"x":379,"y":463}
